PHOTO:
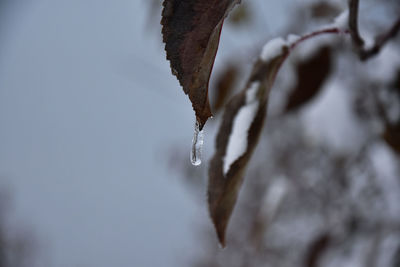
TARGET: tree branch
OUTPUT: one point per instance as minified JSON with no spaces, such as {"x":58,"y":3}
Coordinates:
{"x":353,"y":24}
{"x":380,"y":40}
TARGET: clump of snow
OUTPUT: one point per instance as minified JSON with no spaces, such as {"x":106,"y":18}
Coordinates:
{"x":292,"y":38}
{"x":369,"y":39}
{"x":273,"y":49}
{"x":342,"y":20}
{"x":237,"y":143}
{"x":251,"y":93}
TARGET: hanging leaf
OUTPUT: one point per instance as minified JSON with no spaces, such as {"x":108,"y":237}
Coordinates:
{"x":191,"y":31}
{"x":238,"y":135}
{"x":311,"y":75}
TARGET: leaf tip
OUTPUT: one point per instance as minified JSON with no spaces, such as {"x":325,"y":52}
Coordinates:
{"x":201,"y":120}
{"x":220,"y":229}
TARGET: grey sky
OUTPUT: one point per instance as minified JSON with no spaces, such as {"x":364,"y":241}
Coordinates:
{"x":80,"y":134}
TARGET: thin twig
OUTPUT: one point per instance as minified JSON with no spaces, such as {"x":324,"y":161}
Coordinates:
{"x":333,"y":30}
{"x":358,"y":41}
{"x":381,"y":40}
{"x":353,"y":24}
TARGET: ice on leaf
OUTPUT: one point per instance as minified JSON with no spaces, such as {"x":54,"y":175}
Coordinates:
{"x":197,"y":145}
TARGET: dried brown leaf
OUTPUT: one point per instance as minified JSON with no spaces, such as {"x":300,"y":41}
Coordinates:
{"x":191,"y":32}
{"x":311,"y":75}
{"x":226,"y":180}
{"x":392,"y":137}
{"x":224,"y":85}
{"x":316,"y":249}
{"x":240,"y":15}
{"x":324,"y":9}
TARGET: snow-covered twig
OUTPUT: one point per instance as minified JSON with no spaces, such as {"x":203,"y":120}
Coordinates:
{"x":293,"y":44}
{"x":333,"y":30}
{"x":380,"y":41}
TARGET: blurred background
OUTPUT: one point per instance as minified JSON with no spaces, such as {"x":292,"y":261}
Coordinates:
{"x":95,"y":134}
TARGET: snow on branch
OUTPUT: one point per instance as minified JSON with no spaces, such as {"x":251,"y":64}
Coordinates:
{"x":380,"y":41}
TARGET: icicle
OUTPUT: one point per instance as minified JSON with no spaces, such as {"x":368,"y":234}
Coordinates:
{"x":197,"y":145}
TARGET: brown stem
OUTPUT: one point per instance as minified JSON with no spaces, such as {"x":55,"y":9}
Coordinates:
{"x":353,"y":24}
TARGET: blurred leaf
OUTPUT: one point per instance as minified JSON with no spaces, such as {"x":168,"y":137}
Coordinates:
{"x":396,"y":257}
{"x":324,"y":10}
{"x":237,"y":138}
{"x":225,"y":83}
{"x":240,"y":15}
{"x":18,"y":246}
{"x":396,"y":83}
{"x":316,"y":249}
{"x":392,"y":130}
{"x":392,"y":137}
{"x":311,"y":75}
{"x":191,"y":32}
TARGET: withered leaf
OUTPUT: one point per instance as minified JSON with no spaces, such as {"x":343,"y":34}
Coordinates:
{"x":396,"y":83}
{"x":392,"y":136}
{"x":316,"y":249}
{"x":311,"y":75}
{"x":224,"y":85}
{"x":191,"y":31}
{"x":237,"y":138}
{"x":324,"y":9}
{"x":241,"y":15}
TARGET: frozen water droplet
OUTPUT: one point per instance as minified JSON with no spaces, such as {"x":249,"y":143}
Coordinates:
{"x":197,"y":145}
